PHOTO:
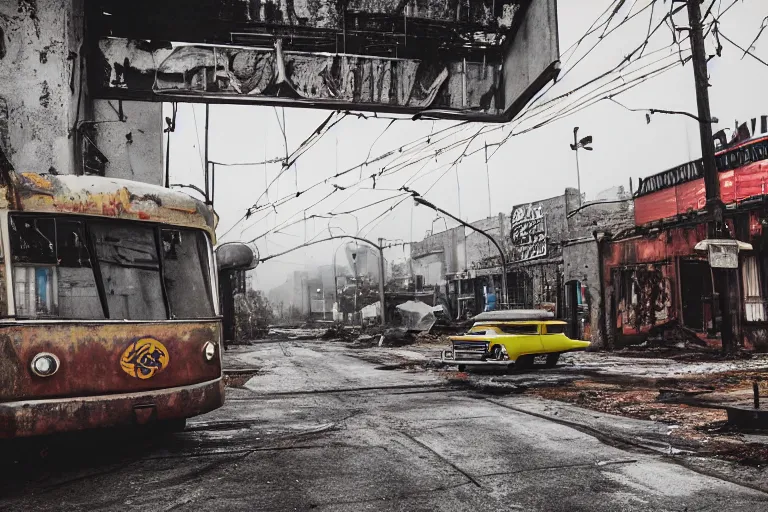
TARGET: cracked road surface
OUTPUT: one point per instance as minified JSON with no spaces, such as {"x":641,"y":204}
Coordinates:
{"x":320,"y":429}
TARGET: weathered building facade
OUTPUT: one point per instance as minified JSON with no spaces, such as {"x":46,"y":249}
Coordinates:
{"x":552,"y":248}
{"x":49,"y":123}
{"x":657,"y":283}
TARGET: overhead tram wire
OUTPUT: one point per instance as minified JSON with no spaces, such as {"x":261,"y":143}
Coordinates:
{"x":357,"y":167}
{"x":746,"y":52}
{"x":584,"y":102}
{"x":625,"y":62}
{"x":550,"y":104}
{"x":333,"y":214}
{"x":558,"y":114}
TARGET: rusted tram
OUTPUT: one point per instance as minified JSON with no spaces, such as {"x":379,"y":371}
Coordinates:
{"x":108,"y":305}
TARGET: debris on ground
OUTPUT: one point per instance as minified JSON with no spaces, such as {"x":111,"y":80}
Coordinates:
{"x":236,"y":378}
{"x":296,"y":334}
{"x":417,"y":316}
{"x":338,"y":331}
{"x":397,"y":337}
{"x":749,"y":454}
{"x":703,"y":424}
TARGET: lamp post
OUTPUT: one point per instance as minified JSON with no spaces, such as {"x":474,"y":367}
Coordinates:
{"x":335,"y":280}
{"x":577,"y":144}
{"x":357,"y":284}
{"x":426,"y":203}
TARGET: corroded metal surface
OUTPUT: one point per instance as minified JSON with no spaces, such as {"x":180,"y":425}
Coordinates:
{"x":480,"y":59}
{"x":108,"y":197}
{"x":31,"y":418}
{"x":94,"y":357}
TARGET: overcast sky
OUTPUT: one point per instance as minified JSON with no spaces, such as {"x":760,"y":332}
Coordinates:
{"x":528,"y":166}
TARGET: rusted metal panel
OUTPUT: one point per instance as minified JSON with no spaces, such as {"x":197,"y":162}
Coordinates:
{"x":33,"y":418}
{"x":105,"y":358}
{"x":743,"y":173}
{"x":663,"y":246}
{"x":482,"y":60}
{"x":91,"y":195}
{"x":690,"y":196}
{"x":659,"y":205}
{"x":735,"y":185}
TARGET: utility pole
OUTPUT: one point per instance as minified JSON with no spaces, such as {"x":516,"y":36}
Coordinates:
{"x":357,"y":285}
{"x":382,"y":274}
{"x":724,"y":280}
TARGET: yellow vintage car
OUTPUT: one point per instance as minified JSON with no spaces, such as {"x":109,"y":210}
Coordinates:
{"x":514,"y":338}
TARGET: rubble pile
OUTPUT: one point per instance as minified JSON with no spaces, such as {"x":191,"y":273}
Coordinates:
{"x":337,"y":331}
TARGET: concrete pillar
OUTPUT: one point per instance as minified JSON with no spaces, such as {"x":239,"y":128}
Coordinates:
{"x":40,"y":82}
{"x":133,"y":146}
{"x":44,"y":99}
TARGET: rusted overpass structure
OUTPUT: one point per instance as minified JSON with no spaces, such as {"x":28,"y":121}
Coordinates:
{"x":82,"y":81}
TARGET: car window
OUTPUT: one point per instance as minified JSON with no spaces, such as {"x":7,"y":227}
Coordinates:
{"x":520,"y":329}
{"x":555,"y":328}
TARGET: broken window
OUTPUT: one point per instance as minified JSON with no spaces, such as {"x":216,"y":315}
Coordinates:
{"x":130,"y":270}
{"x":556,"y":328}
{"x":754,"y":303}
{"x":52,"y":269}
{"x":82,"y":268}
{"x":185,"y":252}
{"x":645,"y":296}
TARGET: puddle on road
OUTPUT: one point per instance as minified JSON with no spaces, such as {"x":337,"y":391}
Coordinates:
{"x":238,"y":378}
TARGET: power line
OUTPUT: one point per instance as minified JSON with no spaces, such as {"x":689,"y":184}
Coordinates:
{"x":411,"y":158}
{"x":746,"y":52}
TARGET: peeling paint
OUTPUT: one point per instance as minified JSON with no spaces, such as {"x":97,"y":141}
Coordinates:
{"x":45,"y":95}
{"x":29,"y":9}
{"x":108,"y":197}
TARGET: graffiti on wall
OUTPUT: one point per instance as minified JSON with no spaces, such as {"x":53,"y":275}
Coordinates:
{"x":529,"y":232}
{"x":645,"y":298}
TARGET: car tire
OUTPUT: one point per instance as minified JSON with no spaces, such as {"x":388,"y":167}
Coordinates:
{"x":552,"y":360}
{"x":524,"y":362}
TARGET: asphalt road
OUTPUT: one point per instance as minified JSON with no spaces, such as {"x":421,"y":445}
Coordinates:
{"x":319,"y":428}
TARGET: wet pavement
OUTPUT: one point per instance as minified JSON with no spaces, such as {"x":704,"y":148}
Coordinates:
{"x":312,"y":425}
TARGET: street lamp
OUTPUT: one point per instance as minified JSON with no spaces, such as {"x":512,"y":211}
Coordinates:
{"x":584,"y":144}
{"x":426,"y":203}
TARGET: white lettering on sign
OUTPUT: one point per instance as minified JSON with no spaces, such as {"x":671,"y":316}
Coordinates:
{"x":529,"y":232}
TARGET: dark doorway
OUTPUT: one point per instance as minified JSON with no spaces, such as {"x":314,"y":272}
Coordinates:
{"x":696,"y":294}
{"x":572,"y":302}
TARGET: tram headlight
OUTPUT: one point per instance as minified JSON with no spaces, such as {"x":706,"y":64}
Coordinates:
{"x":209,"y":351}
{"x":45,"y":364}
